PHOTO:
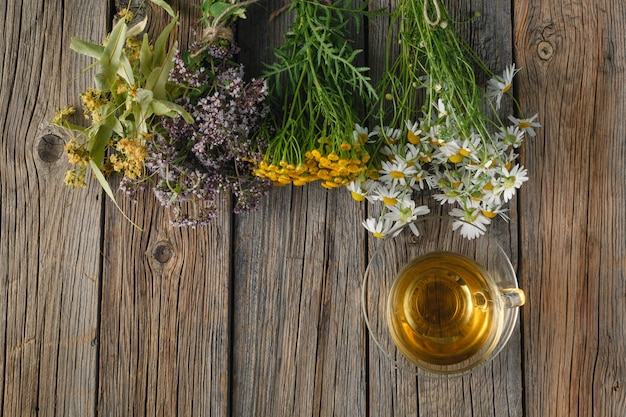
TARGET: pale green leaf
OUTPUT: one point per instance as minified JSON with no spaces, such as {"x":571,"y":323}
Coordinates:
{"x":167,"y":108}
{"x":158,"y":78}
{"x":137,"y":28}
{"x":100,"y":134}
{"x":160,"y":46}
{"x":86,"y":48}
{"x":110,"y":60}
{"x":165,"y":7}
{"x":145,"y":57}
{"x":107,"y":189}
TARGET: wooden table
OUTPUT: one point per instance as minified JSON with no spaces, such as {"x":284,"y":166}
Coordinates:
{"x":259,"y":314}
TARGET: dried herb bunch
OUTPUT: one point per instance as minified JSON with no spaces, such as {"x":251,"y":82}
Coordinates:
{"x":181,"y":122}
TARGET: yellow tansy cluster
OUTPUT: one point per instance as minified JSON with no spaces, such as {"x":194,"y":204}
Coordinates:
{"x":129,"y":157}
{"x":333,"y":168}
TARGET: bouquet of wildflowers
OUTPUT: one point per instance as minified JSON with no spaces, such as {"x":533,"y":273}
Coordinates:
{"x":181,"y":122}
{"x":316,"y":85}
{"x":438,"y":130}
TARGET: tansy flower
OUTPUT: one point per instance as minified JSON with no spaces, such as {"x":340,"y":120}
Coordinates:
{"x":497,"y":87}
{"x":527,"y":125}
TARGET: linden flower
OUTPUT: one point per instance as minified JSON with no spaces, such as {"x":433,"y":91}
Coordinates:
{"x":471,"y":221}
{"x":527,"y":125}
{"x":497,"y":87}
{"x":379,"y":228}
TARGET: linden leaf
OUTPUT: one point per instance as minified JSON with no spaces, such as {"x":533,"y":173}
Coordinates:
{"x":167,"y":108}
{"x":100,"y":133}
{"x":107,"y":189}
{"x":165,"y":6}
{"x":89,"y":49}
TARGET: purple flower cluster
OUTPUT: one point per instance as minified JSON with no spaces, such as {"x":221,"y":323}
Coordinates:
{"x":192,"y":164}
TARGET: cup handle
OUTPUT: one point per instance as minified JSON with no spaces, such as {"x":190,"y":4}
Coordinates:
{"x":513,"y":297}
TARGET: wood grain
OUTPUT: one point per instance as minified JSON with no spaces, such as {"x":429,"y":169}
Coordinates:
{"x":573,"y":211}
{"x":298,"y":336}
{"x":165,"y":342}
{"x":259,"y":314}
{"x":49,"y":237}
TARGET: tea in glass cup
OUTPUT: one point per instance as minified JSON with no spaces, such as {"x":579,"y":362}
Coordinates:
{"x":445,"y":307}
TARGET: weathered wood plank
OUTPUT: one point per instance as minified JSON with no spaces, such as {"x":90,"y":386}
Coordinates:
{"x":165,"y":301}
{"x":298,"y":336}
{"x":495,"y":390}
{"x":573,"y":207}
{"x":49,"y":235}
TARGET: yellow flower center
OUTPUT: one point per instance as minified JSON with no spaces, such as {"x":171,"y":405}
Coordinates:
{"x":357,"y":197}
{"x":378,"y":235}
{"x":396,"y":174}
{"x":456,"y":158}
{"x":413,"y":138}
{"x":390,"y":201}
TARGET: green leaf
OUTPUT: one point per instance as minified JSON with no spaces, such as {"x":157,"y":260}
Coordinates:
{"x":137,"y":28}
{"x":89,"y":49}
{"x":165,"y":7}
{"x":158,"y":78}
{"x":218,"y":8}
{"x":144,"y":97}
{"x":145,"y":57}
{"x":107,"y":189}
{"x":167,"y":108}
{"x":100,"y":134}
{"x":160,"y":46}
{"x":110,"y":61}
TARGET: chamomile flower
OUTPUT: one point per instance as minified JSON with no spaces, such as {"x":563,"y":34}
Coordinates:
{"x":511,"y":180}
{"x":396,"y":172}
{"x":441,"y":109}
{"x":361,"y":134}
{"x":471,"y":221}
{"x":414,"y":132}
{"x":388,"y":194}
{"x":511,"y":136}
{"x":498,"y":86}
{"x":405,"y":213}
{"x":379,"y":228}
{"x":361,"y":189}
{"x":527,"y":125}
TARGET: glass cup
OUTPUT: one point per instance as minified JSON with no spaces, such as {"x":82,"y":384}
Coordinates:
{"x":440,"y":305}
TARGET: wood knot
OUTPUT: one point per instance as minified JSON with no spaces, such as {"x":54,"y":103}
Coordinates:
{"x":163,"y":252}
{"x":545,"y":50}
{"x":50,"y":148}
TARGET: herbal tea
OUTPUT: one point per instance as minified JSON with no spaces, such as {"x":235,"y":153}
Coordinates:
{"x":440,"y":309}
